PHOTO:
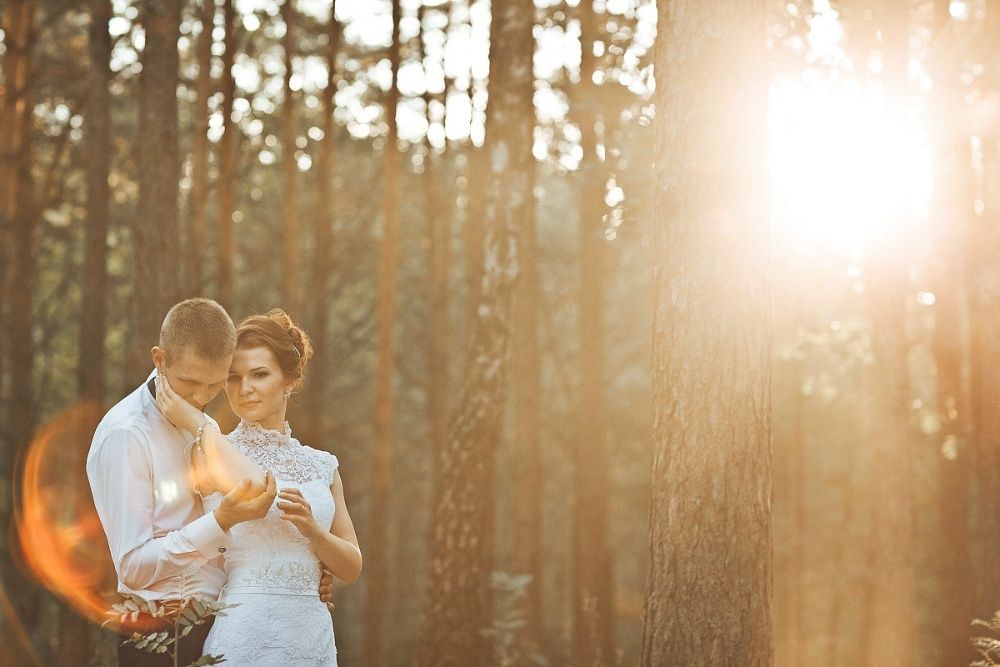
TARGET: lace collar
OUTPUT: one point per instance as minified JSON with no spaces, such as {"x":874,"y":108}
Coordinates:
{"x":252,"y":433}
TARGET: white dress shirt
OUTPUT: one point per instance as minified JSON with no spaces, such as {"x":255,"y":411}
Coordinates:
{"x":163,"y":544}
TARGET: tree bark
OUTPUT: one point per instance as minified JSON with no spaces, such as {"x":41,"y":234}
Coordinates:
{"x":228,"y":147}
{"x":324,"y":220}
{"x":461,"y":553}
{"x":97,"y":132}
{"x":388,"y":260}
{"x":980,"y":251}
{"x":195,"y":252}
{"x":526,"y":389}
{"x":292,"y":270}
{"x":888,"y":636}
{"x":438,"y":215}
{"x":19,"y":226}
{"x":157,"y":236}
{"x":593,"y":620}
{"x":17,"y":244}
{"x":951,"y":218}
{"x":708,"y":593}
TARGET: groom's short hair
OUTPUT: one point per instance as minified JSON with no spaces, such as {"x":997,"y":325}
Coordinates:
{"x":199,"y":325}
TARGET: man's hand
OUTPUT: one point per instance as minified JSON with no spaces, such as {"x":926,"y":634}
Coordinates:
{"x":241,"y":505}
{"x":326,"y":589}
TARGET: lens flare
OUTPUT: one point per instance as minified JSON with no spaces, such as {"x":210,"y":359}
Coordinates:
{"x":61,"y":538}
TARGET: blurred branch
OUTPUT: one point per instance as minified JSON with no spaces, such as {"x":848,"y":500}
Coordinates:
{"x":47,"y":196}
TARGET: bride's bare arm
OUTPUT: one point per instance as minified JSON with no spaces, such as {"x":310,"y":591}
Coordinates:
{"x":219,"y":465}
{"x":338,"y":547}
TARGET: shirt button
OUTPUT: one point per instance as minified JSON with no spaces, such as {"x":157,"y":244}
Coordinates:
{"x":222,"y":550}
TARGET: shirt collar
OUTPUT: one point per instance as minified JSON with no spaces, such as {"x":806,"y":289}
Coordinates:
{"x":148,"y":391}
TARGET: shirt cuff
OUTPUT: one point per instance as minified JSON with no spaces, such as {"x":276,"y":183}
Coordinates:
{"x":208,"y":537}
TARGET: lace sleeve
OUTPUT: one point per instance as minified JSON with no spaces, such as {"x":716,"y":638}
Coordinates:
{"x":328,"y":463}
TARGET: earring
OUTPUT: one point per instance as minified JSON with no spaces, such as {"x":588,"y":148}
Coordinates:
{"x":287,"y":394}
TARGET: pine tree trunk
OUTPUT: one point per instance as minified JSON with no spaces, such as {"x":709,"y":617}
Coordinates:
{"x":472,"y":231}
{"x":19,"y":226}
{"x":951,"y":217}
{"x":388,"y":259}
{"x":157,"y":236}
{"x":97,"y":133}
{"x":291,"y":295}
{"x":194,"y":273}
{"x":526,"y":389}
{"x":438,"y":213}
{"x":228,"y":152}
{"x":324,"y":220}
{"x":708,"y":593}
{"x":18,"y":242}
{"x":889,"y":636}
{"x":593,"y":621}
{"x":980,"y":252}
{"x":461,"y":552}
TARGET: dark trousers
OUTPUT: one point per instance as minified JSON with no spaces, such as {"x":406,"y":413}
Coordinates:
{"x":188,"y":650}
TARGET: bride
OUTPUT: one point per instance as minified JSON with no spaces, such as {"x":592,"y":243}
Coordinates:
{"x":275,"y":566}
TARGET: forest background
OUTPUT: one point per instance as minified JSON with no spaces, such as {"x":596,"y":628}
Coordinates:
{"x":464,"y":204}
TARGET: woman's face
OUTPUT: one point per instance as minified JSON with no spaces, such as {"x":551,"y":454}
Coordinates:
{"x":256,"y":386}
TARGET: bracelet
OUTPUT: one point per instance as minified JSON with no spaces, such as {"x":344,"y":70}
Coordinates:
{"x":197,"y":437}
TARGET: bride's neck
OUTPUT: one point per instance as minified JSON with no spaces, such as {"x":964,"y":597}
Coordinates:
{"x":275,"y":422}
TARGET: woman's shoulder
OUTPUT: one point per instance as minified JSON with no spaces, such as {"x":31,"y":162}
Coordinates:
{"x":326,"y":461}
{"x":320,"y":454}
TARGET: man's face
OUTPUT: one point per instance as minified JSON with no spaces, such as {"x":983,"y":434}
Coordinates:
{"x":195,"y":379}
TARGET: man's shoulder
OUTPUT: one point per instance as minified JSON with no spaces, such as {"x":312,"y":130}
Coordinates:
{"x":126,"y":417}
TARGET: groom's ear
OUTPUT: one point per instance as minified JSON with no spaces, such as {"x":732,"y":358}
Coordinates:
{"x":159,"y":356}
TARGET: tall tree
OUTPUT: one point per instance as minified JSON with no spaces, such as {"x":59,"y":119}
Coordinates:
{"x":593,"y":622}
{"x":526,"y":401}
{"x":228,"y":153}
{"x":887,"y":636}
{"x":438,"y":215}
{"x":194,"y":252}
{"x":18,"y":223}
{"x":708,"y":592}
{"x":90,"y":370}
{"x":388,"y":260}
{"x":459,"y":595}
{"x":951,"y":215}
{"x":291,"y":293}
{"x":476,"y":175}
{"x":980,"y":254}
{"x":157,"y":236}
{"x":324,"y":219}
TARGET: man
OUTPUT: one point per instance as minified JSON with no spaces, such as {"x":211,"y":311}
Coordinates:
{"x":163,"y":545}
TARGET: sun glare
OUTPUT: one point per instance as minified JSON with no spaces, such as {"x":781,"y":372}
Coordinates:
{"x":845,"y":166}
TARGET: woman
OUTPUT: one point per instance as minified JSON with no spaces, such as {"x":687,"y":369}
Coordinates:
{"x":275,"y":567}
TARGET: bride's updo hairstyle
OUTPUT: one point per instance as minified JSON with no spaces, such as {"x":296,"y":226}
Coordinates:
{"x":276,"y":331}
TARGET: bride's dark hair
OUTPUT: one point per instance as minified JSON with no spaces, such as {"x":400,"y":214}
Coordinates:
{"x":277,"y":332}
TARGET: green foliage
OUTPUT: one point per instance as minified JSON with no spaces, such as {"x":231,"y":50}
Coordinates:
{"x":179,"y":617}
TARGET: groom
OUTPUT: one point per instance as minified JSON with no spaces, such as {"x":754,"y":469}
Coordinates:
{"x":163,"y":545}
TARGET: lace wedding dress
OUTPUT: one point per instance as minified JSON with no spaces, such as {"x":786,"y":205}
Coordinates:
{"x":273,"y":573}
